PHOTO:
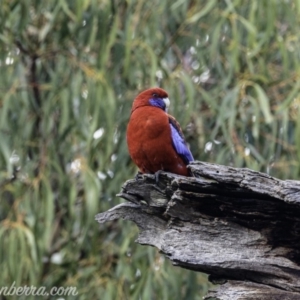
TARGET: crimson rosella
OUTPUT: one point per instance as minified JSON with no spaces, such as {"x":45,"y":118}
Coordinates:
{"x":155,"y":139}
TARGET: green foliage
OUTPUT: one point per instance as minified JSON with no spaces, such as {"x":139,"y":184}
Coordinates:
{"x":69,"y":73}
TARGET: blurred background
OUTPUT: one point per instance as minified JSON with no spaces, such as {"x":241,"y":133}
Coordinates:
{"x":69,"y":73}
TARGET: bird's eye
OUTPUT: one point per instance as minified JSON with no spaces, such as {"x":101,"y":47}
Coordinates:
{"x":155,"y":95}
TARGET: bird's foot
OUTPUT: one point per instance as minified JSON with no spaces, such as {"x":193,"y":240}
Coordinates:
{"x":156,"y":174}
{"x":137,"y":177}
{"x":138,"y":174}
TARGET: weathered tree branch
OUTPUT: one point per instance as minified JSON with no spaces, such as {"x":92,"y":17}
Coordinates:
{"x":240,"y":226}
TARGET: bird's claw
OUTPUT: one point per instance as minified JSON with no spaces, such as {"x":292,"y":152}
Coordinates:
{"x":156,"y":177}
{"x":138,"y":174}
{"x":156,"y":174}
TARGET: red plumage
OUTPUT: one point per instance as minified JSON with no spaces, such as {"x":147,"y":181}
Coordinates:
{"x":152,"y":135}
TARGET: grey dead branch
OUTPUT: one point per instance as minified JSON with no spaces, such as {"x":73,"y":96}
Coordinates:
{"x":240,"y":226}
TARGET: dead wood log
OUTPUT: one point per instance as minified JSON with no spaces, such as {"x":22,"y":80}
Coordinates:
{"x":240,"y":226}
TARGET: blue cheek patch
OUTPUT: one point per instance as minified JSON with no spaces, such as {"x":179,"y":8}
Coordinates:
{"x":157,"y":102}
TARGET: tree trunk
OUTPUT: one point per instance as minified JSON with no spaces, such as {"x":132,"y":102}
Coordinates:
{"x":240,"y":226}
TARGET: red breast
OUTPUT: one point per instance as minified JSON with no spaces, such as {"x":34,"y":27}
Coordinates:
{"x":149,"y":136}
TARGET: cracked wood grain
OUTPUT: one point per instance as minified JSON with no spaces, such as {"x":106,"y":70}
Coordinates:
{"x":240,"y":226}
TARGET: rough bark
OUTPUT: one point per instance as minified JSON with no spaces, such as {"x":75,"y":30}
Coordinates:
{"x":240,"y":226}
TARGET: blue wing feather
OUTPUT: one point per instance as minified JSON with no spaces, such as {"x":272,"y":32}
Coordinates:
{"x":179,"y":143}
